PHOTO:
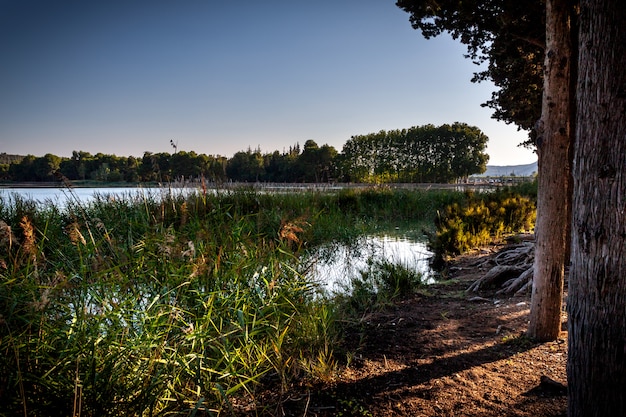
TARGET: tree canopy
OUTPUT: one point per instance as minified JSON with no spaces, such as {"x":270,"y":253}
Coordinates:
{"x":508,"y":36}
{"x":418,"y":154}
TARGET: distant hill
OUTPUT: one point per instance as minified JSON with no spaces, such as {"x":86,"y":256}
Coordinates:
{"x":510,"y":170}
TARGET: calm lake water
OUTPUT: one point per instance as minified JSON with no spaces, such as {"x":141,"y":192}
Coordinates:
{"x":60,"y":196}
{"x":334,"y":266}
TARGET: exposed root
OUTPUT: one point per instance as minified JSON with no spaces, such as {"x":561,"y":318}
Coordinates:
{"x":496,"y":276}
{"x":516,"y":255}
{"x":513,"y":271}
{"x":518,"y":285}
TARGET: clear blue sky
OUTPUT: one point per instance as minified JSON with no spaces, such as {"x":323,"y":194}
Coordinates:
{"x":217,"y":77}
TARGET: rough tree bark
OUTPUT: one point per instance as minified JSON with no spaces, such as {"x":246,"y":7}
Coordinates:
{"x":553,"y":199}
{"x":597,"y":286}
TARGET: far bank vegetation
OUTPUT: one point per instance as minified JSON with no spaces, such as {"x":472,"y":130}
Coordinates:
{"x":429,"y":153}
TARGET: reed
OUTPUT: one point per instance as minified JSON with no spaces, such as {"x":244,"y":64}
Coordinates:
{"x":173,"y":304}
{"x":376,"y":286}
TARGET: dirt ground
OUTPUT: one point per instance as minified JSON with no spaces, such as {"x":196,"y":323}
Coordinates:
{"x":445,"y":353}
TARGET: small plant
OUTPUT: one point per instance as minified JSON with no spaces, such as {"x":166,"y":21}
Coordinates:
{"x":351,"y":407}
{"x":520,"y":341}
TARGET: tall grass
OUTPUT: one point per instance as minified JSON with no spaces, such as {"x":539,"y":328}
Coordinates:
{"x":172,"y":304}
{"x":375,"y":287}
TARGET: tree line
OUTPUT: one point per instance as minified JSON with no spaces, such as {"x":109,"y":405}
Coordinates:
{"x":419,"y":154}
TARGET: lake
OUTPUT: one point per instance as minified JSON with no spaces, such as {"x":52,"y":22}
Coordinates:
{"x":60,"y":196}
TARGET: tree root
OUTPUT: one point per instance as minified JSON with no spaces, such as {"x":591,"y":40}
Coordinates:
{"x":517,"y":254}
{"x":519,"y":285}
{"x":495,"y":277}
{"x":512,"y":273}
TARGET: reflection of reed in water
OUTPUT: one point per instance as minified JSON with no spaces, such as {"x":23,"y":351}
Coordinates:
{"x":334,"y":266}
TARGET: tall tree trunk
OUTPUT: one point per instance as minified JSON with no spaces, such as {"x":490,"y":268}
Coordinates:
{"x":597,"y":291}
{"x":553,"y":143}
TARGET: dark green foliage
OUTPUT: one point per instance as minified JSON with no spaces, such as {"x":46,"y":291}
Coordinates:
{"x":419,"y":154}
{"x":509,"y":36}
{"x":9,"y":159}
{"x":481,"y":218}
{"x":347,"y":200}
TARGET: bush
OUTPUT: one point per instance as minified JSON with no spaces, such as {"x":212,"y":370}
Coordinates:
{"x":480,"y":219}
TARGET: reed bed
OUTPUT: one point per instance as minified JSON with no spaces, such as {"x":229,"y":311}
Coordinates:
{"x":174,"y":304}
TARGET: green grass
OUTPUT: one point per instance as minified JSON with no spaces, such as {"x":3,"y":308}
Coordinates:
{"x":173,"y":305}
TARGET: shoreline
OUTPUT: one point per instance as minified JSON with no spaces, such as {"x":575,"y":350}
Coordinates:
{"x":266,"y":186}
{"x":91,"y":184}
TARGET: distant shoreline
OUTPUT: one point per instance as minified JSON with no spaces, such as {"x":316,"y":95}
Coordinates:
{"x":261,"y":186}
{"x":77,"y":184}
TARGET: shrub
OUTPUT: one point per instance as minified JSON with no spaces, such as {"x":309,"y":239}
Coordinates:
{"x":480,"y":219}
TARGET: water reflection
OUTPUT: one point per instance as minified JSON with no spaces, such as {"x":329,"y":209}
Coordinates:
{"x":333,"y":266}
